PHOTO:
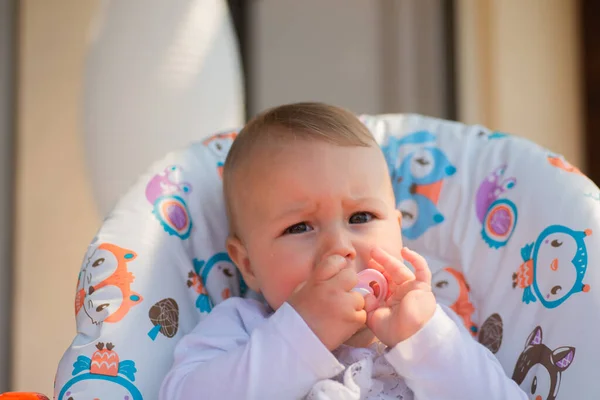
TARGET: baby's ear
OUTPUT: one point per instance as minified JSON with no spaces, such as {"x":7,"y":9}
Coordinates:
{"x":239,"y":255}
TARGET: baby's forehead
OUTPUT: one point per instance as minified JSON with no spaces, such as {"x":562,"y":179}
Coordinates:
{"x":266,"y":156}
{"x":286,"y":166}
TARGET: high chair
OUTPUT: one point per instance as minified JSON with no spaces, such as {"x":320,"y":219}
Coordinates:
{"x":510,"y":231}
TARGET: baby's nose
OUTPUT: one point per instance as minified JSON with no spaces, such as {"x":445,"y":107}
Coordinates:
{"x":343,"y":248}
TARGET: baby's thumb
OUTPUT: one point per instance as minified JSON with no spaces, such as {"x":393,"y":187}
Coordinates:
{"x":371,"y":303}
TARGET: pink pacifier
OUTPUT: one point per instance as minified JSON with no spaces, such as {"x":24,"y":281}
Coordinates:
{"x":371,"y":281}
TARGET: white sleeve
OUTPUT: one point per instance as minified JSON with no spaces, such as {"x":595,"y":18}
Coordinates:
{"x":239,"y":352}
{"x":443,"y":361}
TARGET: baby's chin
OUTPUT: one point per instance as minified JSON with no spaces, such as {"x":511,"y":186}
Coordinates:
{"x":362,"y":338}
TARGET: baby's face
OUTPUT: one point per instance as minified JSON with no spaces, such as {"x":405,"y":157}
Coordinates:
{"x":301,"y":202}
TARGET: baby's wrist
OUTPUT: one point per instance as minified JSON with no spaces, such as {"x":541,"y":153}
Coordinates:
{"x":413,"y":329}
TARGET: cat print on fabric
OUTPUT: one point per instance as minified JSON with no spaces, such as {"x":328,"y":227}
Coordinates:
{"x":554,"y":266}
{"x":104,"y":287}
{"x":418,"y":168}
{"x":539,"y":369}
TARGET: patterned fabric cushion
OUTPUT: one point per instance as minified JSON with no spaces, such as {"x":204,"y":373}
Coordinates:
{"x":509,"y":229}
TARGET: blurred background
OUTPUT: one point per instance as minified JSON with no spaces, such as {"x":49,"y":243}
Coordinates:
{"x":93,"y":91}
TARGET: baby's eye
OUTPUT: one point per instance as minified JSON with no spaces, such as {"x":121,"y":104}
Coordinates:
{"x":302,"y":227}
{"x":361,"y":217}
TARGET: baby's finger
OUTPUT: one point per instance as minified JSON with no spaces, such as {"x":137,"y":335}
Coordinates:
{"x":394,"y":267}
{"x":357,"y":300}
{"x":330,"y":267}
{"x":404,"y":289}
{"x":376,"y":266}
{"x":360,"y":317}
{"x":371,"y":303}
{"x":422,"y":271}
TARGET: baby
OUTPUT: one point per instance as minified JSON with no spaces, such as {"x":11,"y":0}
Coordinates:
{"x":310,"y":205}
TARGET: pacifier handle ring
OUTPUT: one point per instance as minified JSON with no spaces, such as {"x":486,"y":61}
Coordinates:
{"x":368,"y":277}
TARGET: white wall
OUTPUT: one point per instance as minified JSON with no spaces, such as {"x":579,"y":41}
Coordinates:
{"x":519,"y":68}
{"x":55,"y":214}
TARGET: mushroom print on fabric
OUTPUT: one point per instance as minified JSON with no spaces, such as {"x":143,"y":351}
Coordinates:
{"x":164,"y":315}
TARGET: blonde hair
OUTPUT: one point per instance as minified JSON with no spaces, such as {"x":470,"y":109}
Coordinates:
{"x":290,"y":122}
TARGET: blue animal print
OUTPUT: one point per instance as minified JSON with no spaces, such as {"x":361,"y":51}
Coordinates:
{"x":215,"y":280}
{"x":554,"y":266}
{"x":417,"y":179}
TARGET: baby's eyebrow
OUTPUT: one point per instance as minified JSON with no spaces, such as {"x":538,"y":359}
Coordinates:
{"x":293,"y":209}
{"x":367,"y":200}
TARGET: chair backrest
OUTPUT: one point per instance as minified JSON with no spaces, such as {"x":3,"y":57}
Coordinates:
{"x":509,"y":228}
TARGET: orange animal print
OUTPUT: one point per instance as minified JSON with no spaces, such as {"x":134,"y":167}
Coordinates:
{"x":450,"y":286}
{"x":560,"y":162}
{"x":219,"y":144}
{"x":104,"y":287}
{"x":524,"y":276}
{"x":195,"y":282}
{"x":219,"y":140}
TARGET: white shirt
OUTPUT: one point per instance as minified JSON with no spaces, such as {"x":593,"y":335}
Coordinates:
{"x":241,"y":351}
{"x":367,"y":375}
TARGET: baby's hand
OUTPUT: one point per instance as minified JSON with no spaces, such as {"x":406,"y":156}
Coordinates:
{"x":410,"y":304}
{"x":326,"y":303}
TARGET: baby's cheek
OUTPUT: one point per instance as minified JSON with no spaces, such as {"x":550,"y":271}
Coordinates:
{"x":280,"y":290}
